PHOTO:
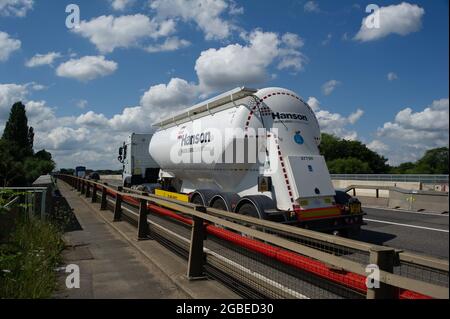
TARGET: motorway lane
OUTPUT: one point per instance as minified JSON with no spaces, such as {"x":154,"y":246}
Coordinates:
{"x":423,"y":233}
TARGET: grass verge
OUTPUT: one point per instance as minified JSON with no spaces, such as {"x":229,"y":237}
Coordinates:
{"x":28,"y":259}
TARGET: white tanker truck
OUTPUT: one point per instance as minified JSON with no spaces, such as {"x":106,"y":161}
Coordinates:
{"x":252,"y":152}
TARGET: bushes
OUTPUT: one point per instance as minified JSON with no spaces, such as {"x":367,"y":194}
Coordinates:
{"x":28,"y":259}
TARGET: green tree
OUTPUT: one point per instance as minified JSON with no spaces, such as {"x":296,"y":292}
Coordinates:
{"x":17,"y":131}
{"x":435,"y":161}
{"x":348,"y":165}
{"x":11,"y":170}
{"x":333,"y":148}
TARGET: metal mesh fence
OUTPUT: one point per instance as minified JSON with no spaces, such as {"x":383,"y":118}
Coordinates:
{"x":271,"y":271}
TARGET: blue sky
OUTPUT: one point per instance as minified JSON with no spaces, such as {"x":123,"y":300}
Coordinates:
{"x":132,"y":61}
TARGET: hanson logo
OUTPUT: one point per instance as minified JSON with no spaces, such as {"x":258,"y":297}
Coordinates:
{"x":199,"y":138}
{"x":289,"y":116}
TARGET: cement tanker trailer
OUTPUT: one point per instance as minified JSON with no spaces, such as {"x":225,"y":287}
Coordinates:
{"x":253,"y":152}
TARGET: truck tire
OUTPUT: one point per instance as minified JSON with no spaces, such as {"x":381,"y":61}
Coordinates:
{"x":197,"y":200}
{"x":219,"y":204}
{"x":248,"y":209}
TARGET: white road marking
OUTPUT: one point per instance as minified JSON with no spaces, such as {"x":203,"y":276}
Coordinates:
{"x":406,"y":225}
{"x":406,"y":211}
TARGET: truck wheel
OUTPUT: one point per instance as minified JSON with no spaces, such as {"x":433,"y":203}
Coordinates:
{"x":248,"y":210}
{"x":197,"y":200}
{"x":219,"y":204}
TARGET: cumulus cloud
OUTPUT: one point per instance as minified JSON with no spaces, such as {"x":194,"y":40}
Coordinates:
{"x":170,"y":44}
{"x":311,"y":6}
{"x":18,"y":8}
{"x":335,"y":123}
{"x":7,"y":46}
{"x":121,"y":5}
{"x":108,"y":32}
{"x":412,"y":133}
{"x":401,"y":19}
{"x":392,"y":76}
{"x":330,"y":86}
{"x":238,"y":64}
{"x":176,"y":94}
{"x":206,"y":14}
{"x":86,"y":68}
{"x":378,"y":147}
{"x":9,"y":94}
{"x":42,"y":59}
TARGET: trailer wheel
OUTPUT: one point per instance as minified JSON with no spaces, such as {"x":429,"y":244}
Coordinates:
{"x":219,"y":204}
{"x":197,"y":200}
{"x":248,"y":209}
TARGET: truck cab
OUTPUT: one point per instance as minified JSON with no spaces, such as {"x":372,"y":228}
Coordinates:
{"x":138,"y":167}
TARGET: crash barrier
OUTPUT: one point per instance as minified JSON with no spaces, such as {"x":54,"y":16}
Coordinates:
{"x":421,"y":178}
{"x":270,"y":259}
{"x":413,"y":200}
{"x":34,"y":200}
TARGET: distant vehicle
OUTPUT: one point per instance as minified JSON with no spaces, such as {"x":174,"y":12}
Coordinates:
{"x":291,"y":184}
{"x":138,"y":167}
{"x":80,"y":171}
{"x":94,"y":176}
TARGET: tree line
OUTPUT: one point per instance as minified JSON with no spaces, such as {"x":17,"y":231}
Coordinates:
{"x":353,"y":157}
{"x":19,"y":164}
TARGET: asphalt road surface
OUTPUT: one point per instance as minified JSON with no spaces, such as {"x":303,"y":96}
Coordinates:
{"x":424,"y":233}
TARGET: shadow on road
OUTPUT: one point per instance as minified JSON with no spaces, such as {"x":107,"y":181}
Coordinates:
{"x":375,"y":237}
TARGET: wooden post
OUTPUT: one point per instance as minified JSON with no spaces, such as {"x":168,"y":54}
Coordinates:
{"x":143,"y":231}
{"x":384,"y":258}
{"x":83,"y":186}
{"x":94,"y":193}
{"x":104,"y":202}
{"x":78,"y":181}
{"x":196,"y":254}
{"x":118,"y":206}
{"x":88,"y":189}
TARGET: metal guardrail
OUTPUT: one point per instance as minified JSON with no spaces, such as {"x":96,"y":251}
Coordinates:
{"x":422,"y":178}
{"x":29,"y":198}
{"x":339,"y":260}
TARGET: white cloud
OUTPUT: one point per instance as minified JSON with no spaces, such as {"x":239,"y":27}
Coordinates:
{"x":314,"y":103}
{"x":86,"y":68}
{"x":121,"y":5}
{"x":108,"y":32}
{"x":392,"y":76}
{"x":92,"y":119}
{"x":335,"y":123}
{"x":7,"y":46}
{"x":170,"y":44}
{"x":401,"y":19}
{"x":42,"y":59}
{"x":10,"y":94}
{"x":311,"y":6}
{"x":329,"y":87}
{"x":207,"y":14}
{"x":82,"y":104}
{"x":412,"y":133}
{"x":327,"y":39}
{"x":38,"y":111}
{"x":176,"y":94}
{"x":237,"y":64}
{"x":18,"y":8}
{"x":378,"y":147}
